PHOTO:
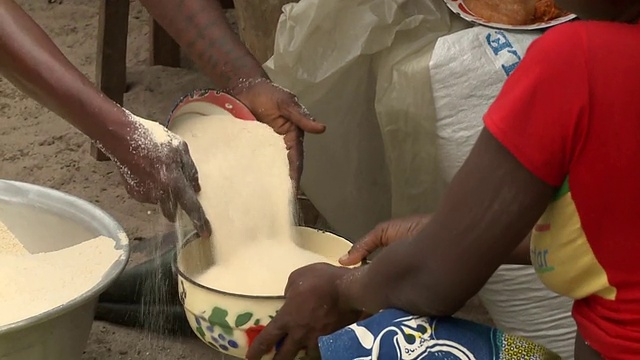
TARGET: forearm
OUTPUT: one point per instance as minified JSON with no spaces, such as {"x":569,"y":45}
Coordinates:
{"x":522,"y":254}
{"x":33,"y":63}
{"x":437,"y":283}
{"x":380,"y":284}
{"x":202,"y":30}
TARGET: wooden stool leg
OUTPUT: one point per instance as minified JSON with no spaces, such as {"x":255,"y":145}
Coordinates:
{"x":227,"y":4}
{"x":164,"y":50}
{"x":111,"y":62}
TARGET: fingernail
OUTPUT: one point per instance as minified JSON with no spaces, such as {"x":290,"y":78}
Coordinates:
{"x":344,"y":258}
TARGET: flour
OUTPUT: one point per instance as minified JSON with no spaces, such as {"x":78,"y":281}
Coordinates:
{"x":159,"y":134}
{"x":149,"y":132}
{"x":147,"y":137}
{"x":9,"y":244}
{"x":262,"y":268}
{"x":248,"y":196}
{"x":33,"y":284}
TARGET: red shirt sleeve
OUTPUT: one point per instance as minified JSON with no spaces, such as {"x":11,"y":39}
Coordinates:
{"x":541,"y":111}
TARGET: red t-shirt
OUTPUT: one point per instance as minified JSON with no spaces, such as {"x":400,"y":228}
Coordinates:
{"x":570,"y":113}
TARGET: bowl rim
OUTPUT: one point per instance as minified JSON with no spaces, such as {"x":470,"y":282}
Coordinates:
{"x":460,"y":9}
{"x":121,"y":243}
{"x":193,"y":236}
{"x":212,"y":96}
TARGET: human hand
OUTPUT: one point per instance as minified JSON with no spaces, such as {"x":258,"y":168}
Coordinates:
{"x":312,"y":309}
{"x":281,"y":110}
{"x":157,"y":168}
{"x":383,"y":235}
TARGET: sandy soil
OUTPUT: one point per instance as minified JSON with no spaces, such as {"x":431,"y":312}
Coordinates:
{"x":38,"y":147}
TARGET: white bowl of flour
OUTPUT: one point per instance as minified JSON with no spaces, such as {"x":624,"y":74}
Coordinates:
{"x":57,"y":254}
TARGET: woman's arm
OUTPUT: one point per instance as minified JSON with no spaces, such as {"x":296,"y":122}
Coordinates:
{"x":157,"y":173}
{"x":522,"y":253}
{"x":202,"y":29}
{"x":33,"y":63}
{"x":388,"y":232}
{"x":491,"y":205}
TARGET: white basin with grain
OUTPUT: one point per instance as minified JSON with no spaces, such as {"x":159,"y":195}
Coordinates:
{"x":47,"y":220}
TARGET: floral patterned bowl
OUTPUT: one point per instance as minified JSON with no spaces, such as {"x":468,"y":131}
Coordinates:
{"x":230,"y":322}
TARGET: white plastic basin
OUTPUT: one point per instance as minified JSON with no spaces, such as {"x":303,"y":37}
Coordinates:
{"x":47,"y":220}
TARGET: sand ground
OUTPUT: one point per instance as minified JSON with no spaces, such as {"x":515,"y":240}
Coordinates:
{"x":38,"y":147}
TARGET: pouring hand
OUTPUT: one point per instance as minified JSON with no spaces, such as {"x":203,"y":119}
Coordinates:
{"x":159,"y":172}
{"x":281,"y":110}
{"x":383,"y":235}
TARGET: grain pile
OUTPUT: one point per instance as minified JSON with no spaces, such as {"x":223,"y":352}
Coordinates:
{"x":31,"y":284}
{"x":9,"y":244}
{"x":248,"y":197}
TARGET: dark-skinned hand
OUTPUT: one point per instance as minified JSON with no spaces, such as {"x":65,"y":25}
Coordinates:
{"x":159,"y":173}
{"x":281,"y":110}
{"x":383,"y":235}
{"x":312,"y":309}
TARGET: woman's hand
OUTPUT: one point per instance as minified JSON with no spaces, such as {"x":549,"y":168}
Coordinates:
{"x":281,"y":110}
{"x":156,"y":168}
{"x":312,"y":309}
{"x":383,"y":235}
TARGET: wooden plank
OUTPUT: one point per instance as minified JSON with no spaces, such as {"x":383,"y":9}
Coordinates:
{"x":111,"y":61}
{"x":163,"y":49}
{"x":226,"y":4}
{"x":257,"y":23}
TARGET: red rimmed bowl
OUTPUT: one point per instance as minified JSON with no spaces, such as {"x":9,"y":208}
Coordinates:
{"x":206,"y":102}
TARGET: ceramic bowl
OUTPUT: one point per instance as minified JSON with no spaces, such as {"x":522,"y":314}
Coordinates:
{"x":230,"y":322}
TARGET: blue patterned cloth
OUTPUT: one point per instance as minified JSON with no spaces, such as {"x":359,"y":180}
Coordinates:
{"x":393,"y":334}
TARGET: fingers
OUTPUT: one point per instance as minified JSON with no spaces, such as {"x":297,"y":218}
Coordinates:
{"x":295,"y":278}
{"x":186,"y":197}
{"x":289,"y":349}
{"x":312,"y":350}
{"x":360,"y":250}
{"x":302,"y":119}
{"x":168,"y":205}
{"x":189,"y":168}
{"x":383,"y":235}
{"x":420,"y":223}
{"x":266,"y":340}
{"x":189,"y":185}
{"x":293,"y":140}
